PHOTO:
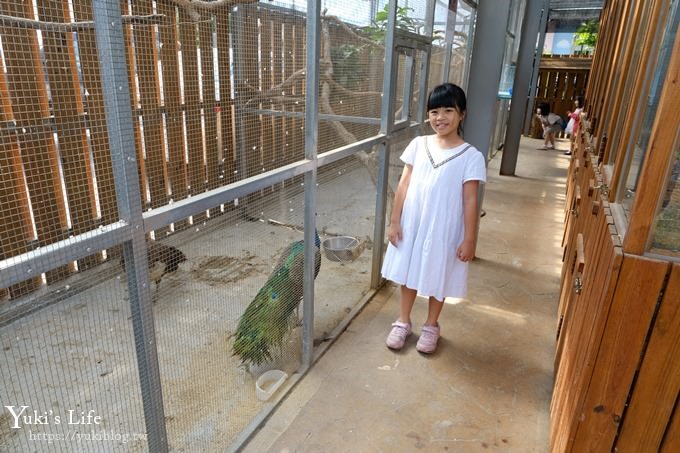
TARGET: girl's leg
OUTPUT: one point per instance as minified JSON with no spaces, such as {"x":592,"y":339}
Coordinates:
{"x":401,"y":328}
{"x":408,"y":297}
{"x":434,"y":309}
{"x":429,"y":334}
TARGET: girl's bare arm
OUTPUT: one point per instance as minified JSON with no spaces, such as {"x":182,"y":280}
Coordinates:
{"x":394,"y":233}
{"x":466,"y":250}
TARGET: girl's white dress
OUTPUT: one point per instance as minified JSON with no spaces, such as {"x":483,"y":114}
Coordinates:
{"x":432,"y":219}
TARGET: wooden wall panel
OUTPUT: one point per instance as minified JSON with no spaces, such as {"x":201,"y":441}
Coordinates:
{"x":67,"y":106}
{"x":559,"y":87}
{"x":671,"y":440}
{"x":633,"y":306}
{"x":269,"y":154}
{"x":298,"y":63}
{"x":209,"y":109}
{"x":149,"y":102}
{"x":278,"y":77}
{"x":96,"y":114}
{"x":227,"y":151}
{"x":593,"y":256}
{"x":290,"y":124}
{"x":250,"y":142}
{"x":30,"y":107}
{"x":15,"y":221}
{"x":658,"y":384}
{"x":192,"y":108}
{"x":133,"y":85}
{"x":173,"y":108}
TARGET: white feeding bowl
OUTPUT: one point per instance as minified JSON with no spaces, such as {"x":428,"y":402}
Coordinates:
{"x":342,"y":248}
{"x":268,"y":383}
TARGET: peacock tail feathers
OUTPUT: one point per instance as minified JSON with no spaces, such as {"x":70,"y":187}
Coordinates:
{"x":269,"y":317}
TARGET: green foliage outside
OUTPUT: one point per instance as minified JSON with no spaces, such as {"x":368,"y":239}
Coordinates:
{"x":586,"y":34}
{"x":377,"y":29}
{"x":346,"y":57}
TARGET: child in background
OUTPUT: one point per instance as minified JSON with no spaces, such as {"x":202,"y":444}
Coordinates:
{"x":574,"y":121}
{"x":433,"y":226}
{"x":551,"y":124}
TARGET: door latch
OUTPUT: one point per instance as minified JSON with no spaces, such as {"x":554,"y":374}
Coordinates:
{"x":604,"y":188}
{"x":578,"y":285}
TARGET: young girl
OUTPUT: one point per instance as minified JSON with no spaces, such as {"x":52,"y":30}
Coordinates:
{"x":550,"y":123}
{"x":574,"y":122}
{"x":575,"y":116}
{"x":433,"y":226}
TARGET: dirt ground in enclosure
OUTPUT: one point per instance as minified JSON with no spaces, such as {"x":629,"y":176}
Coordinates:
{"x":79,"y":353}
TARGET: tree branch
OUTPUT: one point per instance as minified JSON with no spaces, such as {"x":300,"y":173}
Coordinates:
{"x":191,"y":6}
{"x":345,"y":27}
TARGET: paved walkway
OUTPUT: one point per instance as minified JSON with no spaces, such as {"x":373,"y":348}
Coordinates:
{"x":488,"y":386}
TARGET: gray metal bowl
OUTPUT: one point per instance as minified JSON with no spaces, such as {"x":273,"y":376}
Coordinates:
{"x":342,"y":248}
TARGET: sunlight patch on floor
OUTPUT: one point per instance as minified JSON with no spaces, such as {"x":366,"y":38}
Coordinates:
{"x":498,"y":312}
{"x":455,"y":300}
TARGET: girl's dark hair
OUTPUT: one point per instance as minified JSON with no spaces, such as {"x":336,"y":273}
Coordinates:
{"x":448,"y":95}
{"x":545,"y":108}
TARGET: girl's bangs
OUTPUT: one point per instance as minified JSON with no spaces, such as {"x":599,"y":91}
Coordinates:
{"x":440,"y":99}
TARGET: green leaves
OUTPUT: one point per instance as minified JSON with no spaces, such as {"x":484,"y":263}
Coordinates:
{"x":586,"y":34}
{"x":377,"y":29}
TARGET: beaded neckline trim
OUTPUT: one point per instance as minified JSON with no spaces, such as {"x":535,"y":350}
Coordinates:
{"x":437,"y":165}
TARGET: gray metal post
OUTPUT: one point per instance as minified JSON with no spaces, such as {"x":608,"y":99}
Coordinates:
{"x":529,"y":115}
{"x":468,"y":47}
{"x":111,"y":48}
{"x":485,"y":72}
{"x":425,"y":65}
{"x":311,"y":144}
{"x":521,"y":85}
{"x":451,"y":16}
{"x":386,"y":123}
{"x":486,"y":65}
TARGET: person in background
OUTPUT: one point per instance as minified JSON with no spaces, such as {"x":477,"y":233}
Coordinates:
{"x":574,"y":121}
{"x":551,"y":124}
{"x":433,"y":226}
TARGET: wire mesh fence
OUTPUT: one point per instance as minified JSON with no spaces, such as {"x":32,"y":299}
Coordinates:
{"x":113,"y":320}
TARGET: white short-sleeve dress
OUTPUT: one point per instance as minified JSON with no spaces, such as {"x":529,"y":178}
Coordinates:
{"x":432,"y":219}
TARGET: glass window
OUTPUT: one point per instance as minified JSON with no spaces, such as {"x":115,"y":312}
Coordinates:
{"x":648,"y":111}
{"x":666,"y":238}
{"x":639,"y":41}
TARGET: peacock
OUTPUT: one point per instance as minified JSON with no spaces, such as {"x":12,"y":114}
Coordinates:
{"x":270,"y":316}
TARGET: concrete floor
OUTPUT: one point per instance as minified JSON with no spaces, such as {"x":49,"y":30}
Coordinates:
{"x":488,"y":386}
